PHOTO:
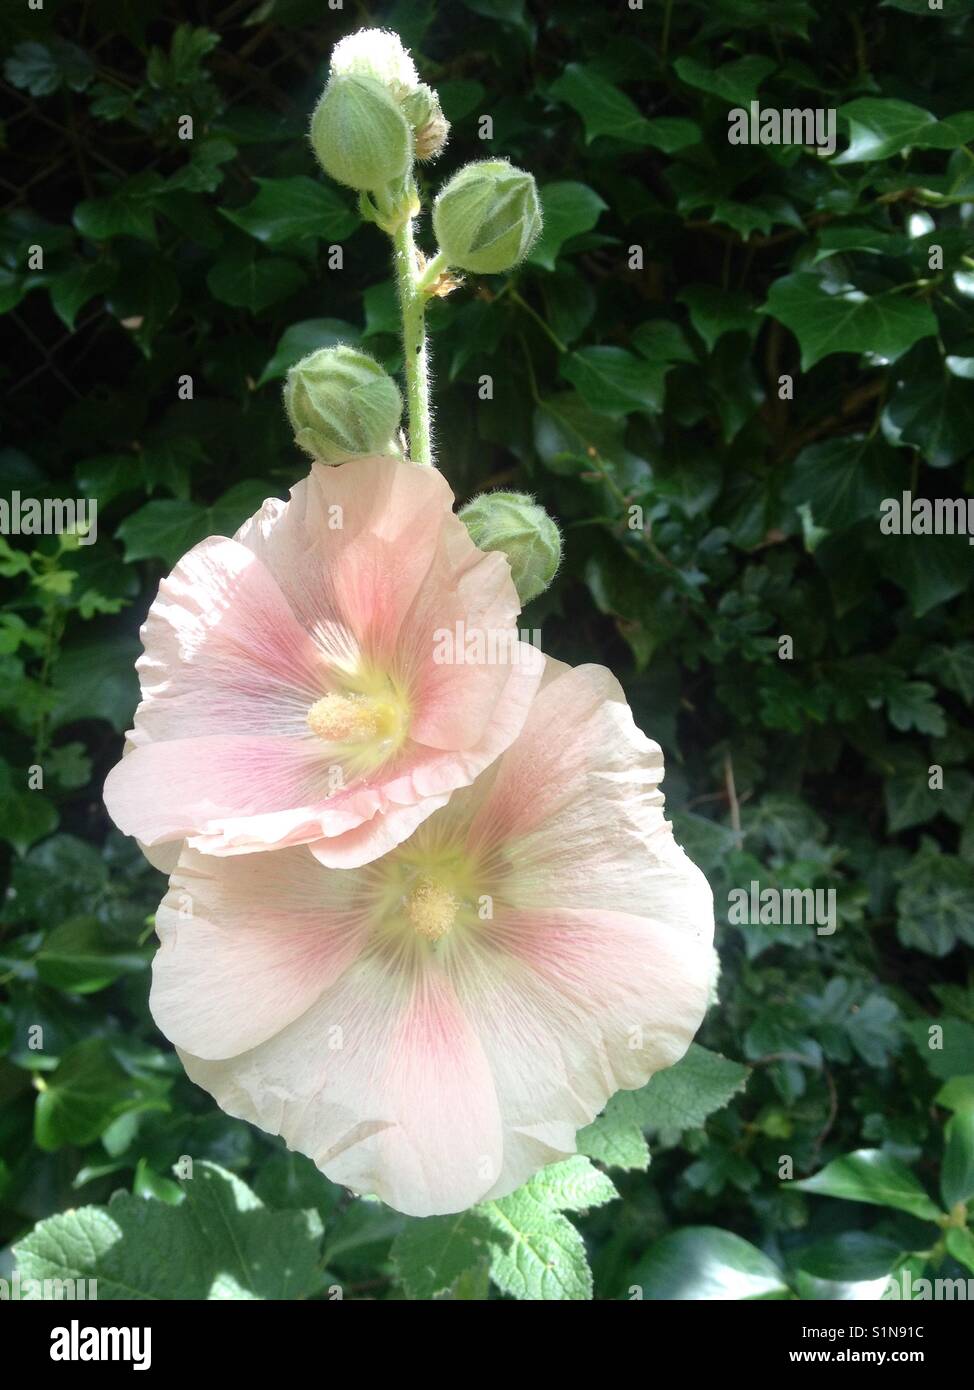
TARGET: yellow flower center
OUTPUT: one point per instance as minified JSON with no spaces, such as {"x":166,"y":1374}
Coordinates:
{"x":345,"y":718}
{"x":431,"y":908}
{"x":367,"y":722}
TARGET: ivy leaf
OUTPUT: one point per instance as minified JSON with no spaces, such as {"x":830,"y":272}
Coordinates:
{"x":703,"y":1262}
{"x":25,"y":815}
{"x":301,"y":338}
{"x":935,"y":902}
{"x":86,"y":1091}
{"x":220,"y":1242}
{"x":931,"y":569}
{"x":910,"y":800}
{"x":714,"y":312}
{"x":381,"y":303}
{"x":68,"y":766}
{"x":932,"y":406}
{"x":459,"y":96}
{"x":96,"y":680}
{"x":567,"y":434}
{"x":947,"y":1045}
{"x":569,"y":210}
{"x":126,"y":211}
{"x":61,"y":869}
{"x":953,"y":666}
{"x":843,"y":480}
{"x":847,"y":320}
{"x":882,"y":126}
{"x":870,"y":1175}
{"x":144,"y":297}
{"x":736,"y":82}
{"x":253,"y":282}
{"x":605,"y":110}
{"x":165,"y":529}
{"x":229,"y":512}
{"x":615,"y":382}
{"x":203,"y":173}
{"x":72,"y":289}
{"x":570,"y":306}
{"x":77,"y":957}
{"x":659,"y":340}
{"x":286,"y":210}
{"x":911,"y":705}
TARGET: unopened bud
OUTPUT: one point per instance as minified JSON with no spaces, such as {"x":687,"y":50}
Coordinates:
{"x":430,"y":127}
{"x":487,"y":217}
{"x":379,"y":54}
{"x":359,"y":134}
{"x":515,"y":524}
{"x":341,"y":404}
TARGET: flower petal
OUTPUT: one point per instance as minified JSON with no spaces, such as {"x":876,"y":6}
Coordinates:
{"x":224,"y":653}
{"x":352,"y":547}
{"x":382,"y":1082}
{"x":247,"y":948}
{"x":573,"y":1005}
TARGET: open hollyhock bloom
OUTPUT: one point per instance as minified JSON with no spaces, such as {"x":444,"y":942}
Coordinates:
{"x":435,"y":1026}
{"x":293,"y":686}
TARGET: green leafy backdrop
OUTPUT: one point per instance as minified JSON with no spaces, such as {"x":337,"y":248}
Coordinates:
{"x":821,"y":1134}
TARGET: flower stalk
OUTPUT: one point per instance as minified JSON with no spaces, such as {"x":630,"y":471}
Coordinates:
{"x":412,"y":303}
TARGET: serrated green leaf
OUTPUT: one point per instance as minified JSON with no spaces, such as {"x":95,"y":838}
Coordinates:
{"x":431,"y":1254}
{"x":220,"y":1242}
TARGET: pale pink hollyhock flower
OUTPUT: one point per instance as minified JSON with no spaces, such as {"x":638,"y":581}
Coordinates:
{"x":435,"y":1027}
{"x":293,"y":687}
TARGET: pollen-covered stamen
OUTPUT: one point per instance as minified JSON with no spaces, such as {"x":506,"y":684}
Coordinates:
{"x":431,"y":908}
{"x":345,"y":718}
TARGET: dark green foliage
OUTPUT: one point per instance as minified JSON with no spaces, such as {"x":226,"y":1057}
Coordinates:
{"x":708,"y":513}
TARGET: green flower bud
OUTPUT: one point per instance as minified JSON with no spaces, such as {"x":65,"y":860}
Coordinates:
{"x":513,"y":523}
{"x":379,"y":54}
{"x":359,"y":134}
{"x":487,"y":217}
{"x":430,"y":127}
{"x":342,"y":404}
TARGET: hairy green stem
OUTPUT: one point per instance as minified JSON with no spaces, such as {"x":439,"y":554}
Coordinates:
{"x":412,"y":302}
